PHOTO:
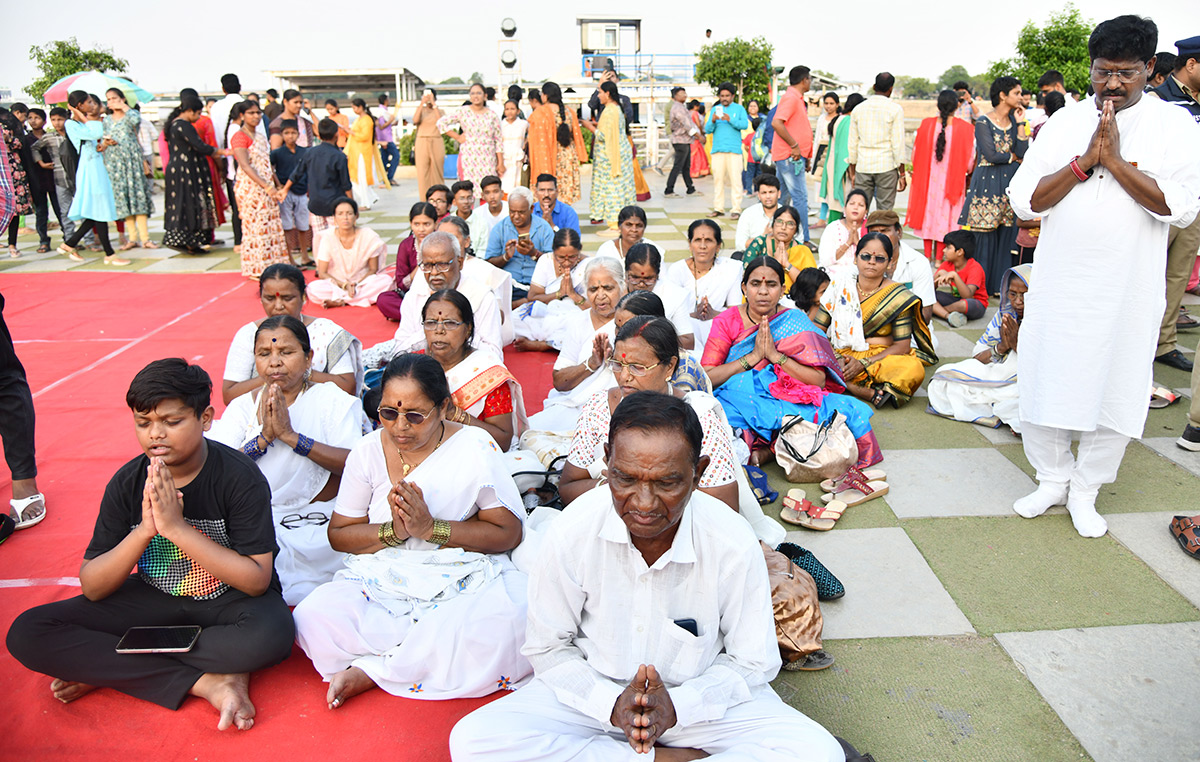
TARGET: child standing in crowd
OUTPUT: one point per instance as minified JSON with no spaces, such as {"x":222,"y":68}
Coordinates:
{"x":56,"y":149}
{"x":293,"y":205}
{"x":326,"y":172}
{"x":42,"y":185}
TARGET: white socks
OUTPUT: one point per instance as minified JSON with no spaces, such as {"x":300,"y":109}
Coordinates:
{"x":1039,"y":501}
{"x":1087,"y":521}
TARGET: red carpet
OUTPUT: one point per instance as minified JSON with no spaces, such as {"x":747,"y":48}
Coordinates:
{"x":81,"y":338}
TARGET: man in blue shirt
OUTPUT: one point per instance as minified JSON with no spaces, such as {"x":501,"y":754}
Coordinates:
{"x":725,"y":123}
{"x":518,"y":240}
{"x":553,"y":211}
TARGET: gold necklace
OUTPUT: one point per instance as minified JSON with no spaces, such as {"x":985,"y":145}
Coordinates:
{"x":404,"y":463}
{"x":868,"y":294}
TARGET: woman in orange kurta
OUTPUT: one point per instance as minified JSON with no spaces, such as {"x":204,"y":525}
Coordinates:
{"x":547,"y":154}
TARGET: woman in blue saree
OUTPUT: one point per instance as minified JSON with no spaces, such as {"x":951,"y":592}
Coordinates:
{"x":768,"y":362}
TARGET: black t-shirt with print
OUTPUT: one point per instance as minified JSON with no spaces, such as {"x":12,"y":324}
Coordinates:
{"x":229,"y":501}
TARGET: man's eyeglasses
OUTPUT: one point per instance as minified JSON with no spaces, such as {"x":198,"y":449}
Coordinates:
{"x":441,"y":267}
{"x":638,"y":370}
{"x":412,"y":416}
{"x":867,"y":256}
{"x":1125,"y":76}
{"x":445,"y":325}
{"x":293,"y":520}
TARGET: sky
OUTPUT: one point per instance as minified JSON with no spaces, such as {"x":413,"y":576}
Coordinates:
{"x":175,"y":45}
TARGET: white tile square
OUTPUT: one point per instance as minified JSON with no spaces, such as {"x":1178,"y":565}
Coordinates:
{"x":1127,"y":693}
{"x":954,"y":482}
{"x":1148,"y":536}
{"x":863,"y":559}
{"x":1166,"y":447}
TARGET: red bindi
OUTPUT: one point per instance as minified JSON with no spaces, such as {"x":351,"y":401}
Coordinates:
{"x":278,"y":295}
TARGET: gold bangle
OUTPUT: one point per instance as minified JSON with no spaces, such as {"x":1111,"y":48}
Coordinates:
{"x":441,"y":532}
{"x":782,"y":359}
{"x":387,"y":535}
{"x":745,"y":365}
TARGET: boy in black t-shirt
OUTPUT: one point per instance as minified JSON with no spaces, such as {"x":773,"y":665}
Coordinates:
{"x":325,"y":171}
{"x":194,"y":517}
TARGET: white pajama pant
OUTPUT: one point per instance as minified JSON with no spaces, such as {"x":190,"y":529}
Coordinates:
{"x":531,"y":725}
{"x":1049,"y":451}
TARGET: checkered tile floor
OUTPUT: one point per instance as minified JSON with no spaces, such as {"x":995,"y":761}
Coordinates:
{"x":966,"y":632}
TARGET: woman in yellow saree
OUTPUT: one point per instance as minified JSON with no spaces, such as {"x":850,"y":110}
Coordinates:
{"x":877,"y":329}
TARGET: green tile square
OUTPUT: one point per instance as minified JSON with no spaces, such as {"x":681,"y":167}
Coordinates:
{"x":1146,"y":481}
{"x":911,"y":428}
{"x":1011,"y":574}
{"x":956,"y":699}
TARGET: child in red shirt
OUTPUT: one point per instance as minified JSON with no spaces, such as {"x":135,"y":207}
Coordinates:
{"x":967,"y":298}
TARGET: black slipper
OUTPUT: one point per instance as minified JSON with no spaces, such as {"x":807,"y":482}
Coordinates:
{"x":7,"y":527}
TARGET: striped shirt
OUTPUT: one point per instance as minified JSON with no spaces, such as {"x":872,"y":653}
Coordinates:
{"x":877,"y":135}
{"x":8,"y":197}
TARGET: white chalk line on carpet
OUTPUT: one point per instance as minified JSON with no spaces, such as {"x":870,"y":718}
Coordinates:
{"x":40,"y":582}
{"x":133,"y":343}
{"x":63,"y":341}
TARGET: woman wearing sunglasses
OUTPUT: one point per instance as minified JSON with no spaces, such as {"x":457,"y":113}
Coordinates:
{"x":427,"y":514}
{"x":482,"y":390}
{"x":767,"y":361}
{"x":299,"y":433}
{"x":884,"y":345}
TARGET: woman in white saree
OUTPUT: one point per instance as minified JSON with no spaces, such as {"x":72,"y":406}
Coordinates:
{"x":484,"y":392}
{"x":581,"y":369}
{"x":299,"y":433}
{"x":337,"y":354}
{"x":429,"y":605}
{"x":983,"y":389}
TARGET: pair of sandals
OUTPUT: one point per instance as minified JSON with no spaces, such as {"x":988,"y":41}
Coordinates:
{"x":24,"y":510}
{"x":855,"y":487}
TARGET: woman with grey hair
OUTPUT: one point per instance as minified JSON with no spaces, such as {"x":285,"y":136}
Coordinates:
{"x":582,"y":366}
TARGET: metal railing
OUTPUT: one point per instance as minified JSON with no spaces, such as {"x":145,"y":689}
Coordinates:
{"x":641,"y":66}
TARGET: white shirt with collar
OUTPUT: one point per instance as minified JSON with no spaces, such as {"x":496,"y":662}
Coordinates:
{"x":596,"y":611}
{"x":914,"y":268}
{"x":219,"y":114}
{"x":410,"y":334}
{"x":751,"y":225}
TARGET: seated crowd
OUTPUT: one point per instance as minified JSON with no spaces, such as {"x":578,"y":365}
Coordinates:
{"x":671,"y":384}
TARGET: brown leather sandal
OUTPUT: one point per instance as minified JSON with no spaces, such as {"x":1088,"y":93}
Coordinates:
{"x":1185,"y":531}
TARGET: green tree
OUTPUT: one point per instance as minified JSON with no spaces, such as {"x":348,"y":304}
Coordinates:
{"x":956,"y":73}
{"x":475,"y":77}
{"x":452,"y":81}
{"x":747,"y":64}
{"x":59,"y":58}
{"x":1061,"y":44}
{"x":915,"y":87}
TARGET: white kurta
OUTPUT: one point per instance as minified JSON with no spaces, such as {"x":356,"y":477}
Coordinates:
{"x":328,"y":415}
{"x":561,"y":409}
{"x":722,"y":285}
{"x":410,"y":334}
{"x":1096,"y":300}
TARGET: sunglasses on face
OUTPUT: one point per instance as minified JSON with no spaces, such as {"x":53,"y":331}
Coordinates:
{"x":413,"y":417}
{"x":869,"y":257}
{"x":616,"y":366}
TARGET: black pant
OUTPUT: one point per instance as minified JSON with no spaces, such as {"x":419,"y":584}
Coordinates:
{"x":43,"y":201}
{"x":683,"y":163}
{"x":13,"y":226}
{"x":99,"y":228}
{"x":234,"y":219}
{"x":75,"y":639}
{"x":16,"y":422}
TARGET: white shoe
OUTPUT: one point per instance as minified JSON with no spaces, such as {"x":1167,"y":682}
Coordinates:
{"x":1040,"y":500}
{"x":1087,"y":521}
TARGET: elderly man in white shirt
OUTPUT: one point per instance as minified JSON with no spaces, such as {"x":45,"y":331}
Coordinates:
{"x":650,"y":622}
{"x":441,"y":261}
